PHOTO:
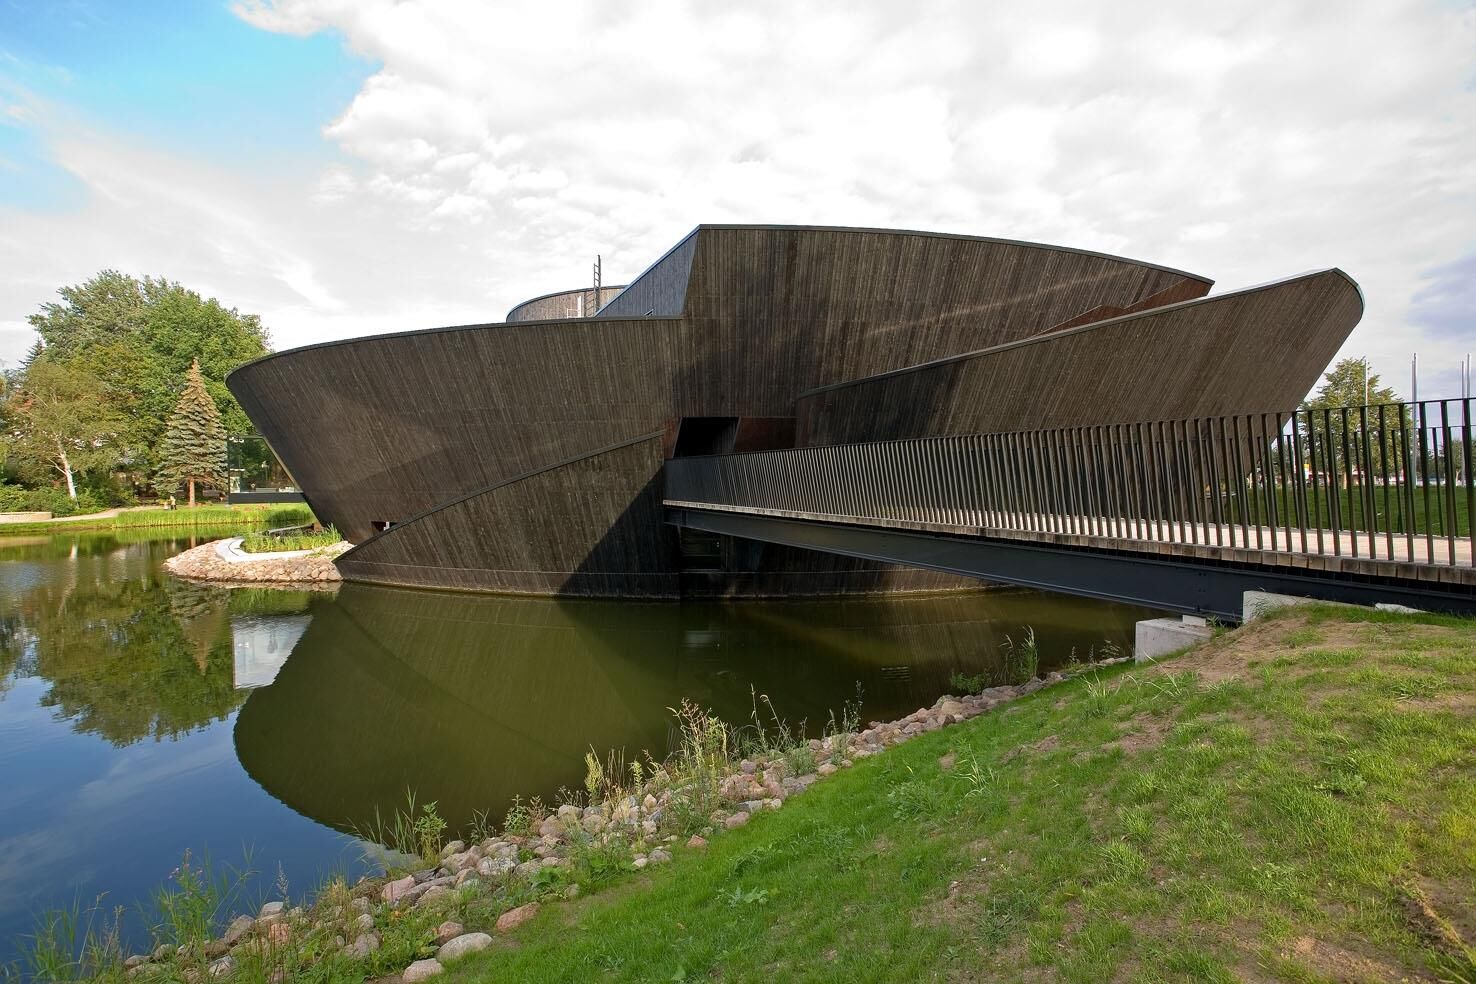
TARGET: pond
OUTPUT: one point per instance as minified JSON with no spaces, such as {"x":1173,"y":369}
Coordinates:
{"x":141,"y":716}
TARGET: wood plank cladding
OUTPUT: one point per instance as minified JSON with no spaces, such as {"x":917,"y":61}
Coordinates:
{"x":564,"y":304}
{"x":820,"y":306}
{"x":661,"y":291}
{"x":383,"y":428}
{"x":592,"y":527}
{"x":1240,"y":352}
{"x":733,"y":321}
{"x":580,"y":528}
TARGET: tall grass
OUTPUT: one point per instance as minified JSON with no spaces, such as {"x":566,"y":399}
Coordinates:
{"x":243,"y":518}
{"x":409,"y":838}
{"x":182,"y":916}
{"x":72,"y":944}
{"x":298,"y":540}
{"x":1021,"y":659}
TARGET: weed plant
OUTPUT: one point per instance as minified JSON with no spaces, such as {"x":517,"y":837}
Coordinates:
{"x":967,"y":683}
{"x":303,"y":540}
{"x":1021,"y":660}
{"x":409,"y":839}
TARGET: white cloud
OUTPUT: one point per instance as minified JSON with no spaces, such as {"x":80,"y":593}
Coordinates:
{"x":499,"y":146}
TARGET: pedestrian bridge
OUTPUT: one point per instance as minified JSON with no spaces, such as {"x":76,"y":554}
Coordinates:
{"x":1356,"y":504}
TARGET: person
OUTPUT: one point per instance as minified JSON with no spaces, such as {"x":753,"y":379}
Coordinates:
{"x":172,"y":503}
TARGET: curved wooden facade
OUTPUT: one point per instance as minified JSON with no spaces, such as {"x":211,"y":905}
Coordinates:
{"x":526,"y":456}
{"x":582,"y":303}
{"x":1238,"y":352}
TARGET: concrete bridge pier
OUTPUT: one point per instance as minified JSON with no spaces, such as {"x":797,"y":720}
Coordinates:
{"x":1157,"y":637}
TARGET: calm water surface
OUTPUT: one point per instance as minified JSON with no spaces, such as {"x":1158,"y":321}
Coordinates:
{"x":140,"y":715}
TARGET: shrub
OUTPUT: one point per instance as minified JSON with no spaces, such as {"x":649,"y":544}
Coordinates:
{"x":14,"y":498}
{"x":966,"y":683}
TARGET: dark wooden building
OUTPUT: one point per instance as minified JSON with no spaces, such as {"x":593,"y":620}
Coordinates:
{"x":526,"y":456}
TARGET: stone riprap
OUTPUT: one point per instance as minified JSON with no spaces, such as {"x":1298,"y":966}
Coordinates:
{"x":509,"y":865}
{"x":224,"y":561}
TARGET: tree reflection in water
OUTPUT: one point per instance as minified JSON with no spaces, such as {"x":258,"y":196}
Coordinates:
{"x":127,"y":652}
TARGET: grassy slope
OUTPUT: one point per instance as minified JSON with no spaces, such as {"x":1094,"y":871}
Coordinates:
{"x":1261,"y":808}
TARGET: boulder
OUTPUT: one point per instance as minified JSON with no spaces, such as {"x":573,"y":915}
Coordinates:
{"x":498,"y":867}
{"x":433,"y":893}
{"x":421,"y":970}
{"x":237,"y":930}
{"x":696,"y":843}
{"x":271,"y":909}
{"x":448,"y":931}
{"x":455,"y":847}
{"x":223,"y":967}
{"x":463,"y":945}
{"x":659,"y":856}
{"x":366,"y":944}
{"x":736,"y":820}
{"x":392,"y":891}
{"x":513,"y":918}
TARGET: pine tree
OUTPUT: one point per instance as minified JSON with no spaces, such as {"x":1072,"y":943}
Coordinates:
{"x":193,"y":449}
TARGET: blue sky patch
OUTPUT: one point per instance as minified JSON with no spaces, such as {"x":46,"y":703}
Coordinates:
{"x":188,"y":77}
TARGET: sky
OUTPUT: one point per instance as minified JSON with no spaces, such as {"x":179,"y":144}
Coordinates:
{"x":349,"y":167}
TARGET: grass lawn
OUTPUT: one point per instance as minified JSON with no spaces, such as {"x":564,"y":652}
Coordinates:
{"x":1295,"y":800}
{"x":244,"y":518}
{"x":1434,"y":509}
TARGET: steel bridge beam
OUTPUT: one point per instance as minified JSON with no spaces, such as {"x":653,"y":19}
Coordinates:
{"x":1192,"y":587}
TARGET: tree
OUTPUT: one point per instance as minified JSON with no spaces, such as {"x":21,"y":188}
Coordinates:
{"x":62,"y":415}
{"x":193,"y":449}
{"x":1349,"y":383}
{"x":138,"y":337}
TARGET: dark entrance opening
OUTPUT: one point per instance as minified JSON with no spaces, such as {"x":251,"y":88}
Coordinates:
{"x":705,"y":435}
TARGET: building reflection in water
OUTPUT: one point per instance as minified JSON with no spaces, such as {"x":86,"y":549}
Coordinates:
{"x":262,"y":644}
{"x":471,"y":700}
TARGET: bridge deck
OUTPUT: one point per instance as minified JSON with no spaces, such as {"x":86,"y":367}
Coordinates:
{"x":1423,"y":559}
